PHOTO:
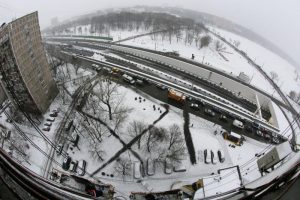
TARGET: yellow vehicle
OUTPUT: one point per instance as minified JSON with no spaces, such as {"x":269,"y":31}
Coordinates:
{"x":177,"y":96}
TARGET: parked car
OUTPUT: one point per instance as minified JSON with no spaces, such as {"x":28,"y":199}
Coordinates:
{"x":221,"y":156}
{"x":137,"y":170}
{"x":179,"y":168}
{"x":216,"y":109}
{"x":223,"y":118}
{"x":248,"y":128}
{"x":53,"y":114}
{"x":259,"y":133}
{"x":213,"y":158}
{"x":207,"y":156}
{"x":66,"y":163}
{"x":201,"y":102}
{"x":81,"y":167}
{"x":160,"y":86}
{"x":168,"y":166}
{"x":194,"y":106}
{"x":50,"y":119}
{"x":48,"y":124}
{"x":275,"y":140}
{"x":73,"y":166}
{"x":59,"y":149}
{"x":255,"y":125}
{"x":209,"y":112}
{"x":238,"y":124}
{"x":150,"y":167}
{"x":46,"y":128}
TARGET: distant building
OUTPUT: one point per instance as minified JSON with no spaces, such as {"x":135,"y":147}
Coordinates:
{"x":54,"y":21}
{"x":24,"y":70}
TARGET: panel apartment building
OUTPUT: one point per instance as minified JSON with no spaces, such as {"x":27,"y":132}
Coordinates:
{"x":24,"y":70}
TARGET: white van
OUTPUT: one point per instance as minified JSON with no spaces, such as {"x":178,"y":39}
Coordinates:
{"x":128,"y":79}
{"x":238,"y":124}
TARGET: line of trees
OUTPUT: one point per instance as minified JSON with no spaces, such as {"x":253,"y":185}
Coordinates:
{"x":181,"y":29}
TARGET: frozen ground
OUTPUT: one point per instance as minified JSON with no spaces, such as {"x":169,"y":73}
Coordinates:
{"x":201,"y":130}
{"x":288,"y":74}
{"x":233,"y":63}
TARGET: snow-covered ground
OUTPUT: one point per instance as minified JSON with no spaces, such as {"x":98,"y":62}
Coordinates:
{"x":201,"y":130}
{"x":269,"y":61}
{"x":233,"y":63}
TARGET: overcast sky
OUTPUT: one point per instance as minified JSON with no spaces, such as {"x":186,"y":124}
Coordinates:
{"x":276,"y":20}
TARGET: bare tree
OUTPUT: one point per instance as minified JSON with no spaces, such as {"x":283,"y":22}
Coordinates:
{"x":155,"y":135}
{"x":175,"y":136}
{"x":292,"y":95}
{"x":108,"y":93}
{"x":135,"y":128}
{"x":95,"y":148}
{"x":123,"y":166}
{"x":205,"y":41}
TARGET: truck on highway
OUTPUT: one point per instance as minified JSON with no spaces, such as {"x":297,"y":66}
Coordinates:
{"x":177,"y":96}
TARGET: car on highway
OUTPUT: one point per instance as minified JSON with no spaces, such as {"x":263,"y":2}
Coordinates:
{"x":259,"y":133}
{"x":161,"y":86}
{"x":249,"y":128}
{"x":275,"y":140}
{"x":66,"y":163}
{"x":223,"y":118}
{"x":238,"y":124}
{"x":216,"y":109}
{"x":209,"y":112}
{"x":255,"y":125}
{"x":195,"y":106}
{"x":81,"y":167}
{"x":200,"y":102}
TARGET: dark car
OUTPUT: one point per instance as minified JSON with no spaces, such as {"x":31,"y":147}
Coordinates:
{"x":66,"y":163}
{"x":221,"y":156}
{"x":73,"y":166}
{"x":194,"y":106}
{"x":216,"y":109}
{"x":249,"y":128}
{"x":81,"y":167}
{"x":223,"y":118}
{"x":59,"y":149}
{"x":255,"y":125}
{"x":209,"y":112}
{"x":201,"y":102}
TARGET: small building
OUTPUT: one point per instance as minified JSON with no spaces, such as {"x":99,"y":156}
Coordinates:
{"x":244,"y":77}
{"x":274,"y":156}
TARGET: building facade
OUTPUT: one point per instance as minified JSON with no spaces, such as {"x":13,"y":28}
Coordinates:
{"x":26,"y":76}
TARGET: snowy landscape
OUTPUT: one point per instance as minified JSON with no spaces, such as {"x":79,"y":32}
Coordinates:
{"x":138,"y":128}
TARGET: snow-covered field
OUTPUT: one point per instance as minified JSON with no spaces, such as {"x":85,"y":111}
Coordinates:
{"x":269,"y":61}
{"x":142,"y":108}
